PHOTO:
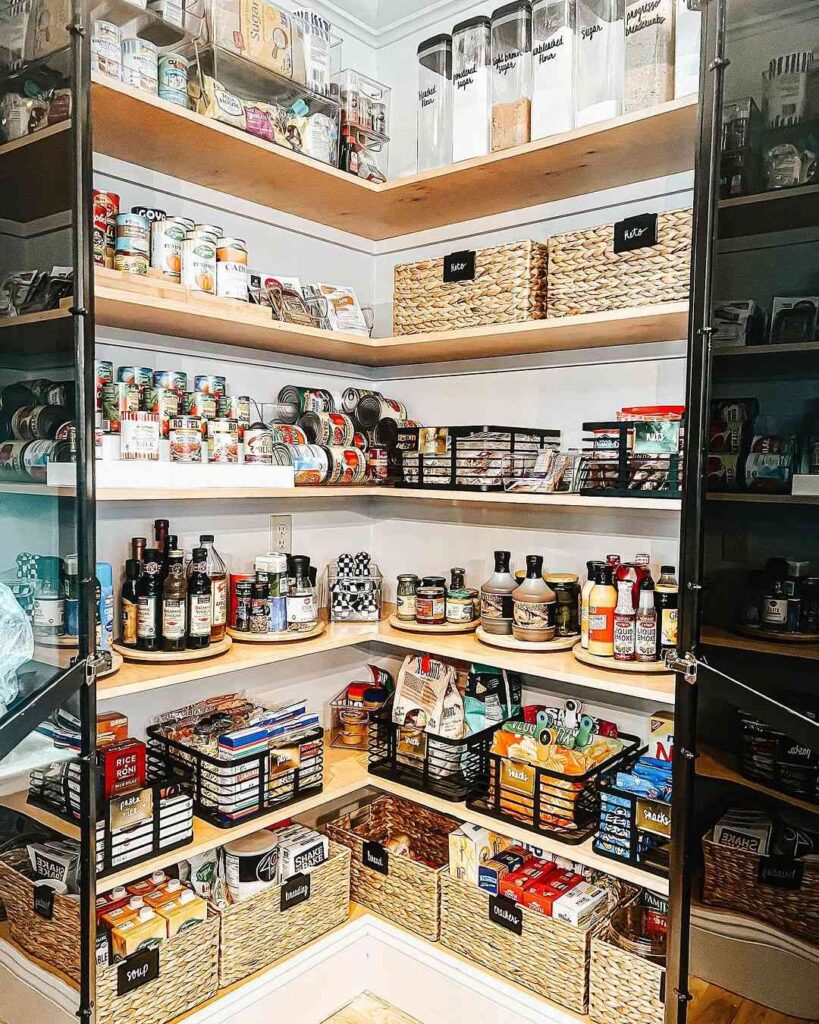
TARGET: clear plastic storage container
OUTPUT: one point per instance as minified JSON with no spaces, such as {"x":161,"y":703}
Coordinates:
{"x":599,"y":68}
{"x":435,"y":102}
{"x":553,"y":55}
{"x":318,"y":48}
{"x":262,"y":33}
{"x":511,"y":75}
{"x":471,"y":68}
{"x":649,"y":58}
{"x":365,"y":103}
{"x":687,"y":49}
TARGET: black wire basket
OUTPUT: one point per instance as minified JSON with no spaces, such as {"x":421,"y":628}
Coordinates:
{"x":634,"y":459}
{"x":623,"y":839}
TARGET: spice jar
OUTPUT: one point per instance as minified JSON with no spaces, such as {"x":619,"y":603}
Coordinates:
{"x":435,"y":102}
{"x":430,"y":605}
{"x":405,"y":597}
{"x":600,"y":44}
{"x":471,"y":66}
{"x":553,"y":52}
{"x":511,"y":75}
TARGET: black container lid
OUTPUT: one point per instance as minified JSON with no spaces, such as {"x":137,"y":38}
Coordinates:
{"x":479,"y":19}
{"x":517,"y":5}
{"x":438,"y":40}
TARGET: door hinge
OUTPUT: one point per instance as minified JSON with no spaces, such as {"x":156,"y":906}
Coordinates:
{"x":91,"y":666}
{"x":686,"y":664}
{"x":719,"y":63}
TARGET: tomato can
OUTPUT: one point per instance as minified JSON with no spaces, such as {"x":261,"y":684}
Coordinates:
{"x":167,"y":237}
{"x":177,"y":380}
{"x":352,"y":396}
{"x":287,"y":433}
{"x":231,"y":268}
{"x":235,"y":407}
{"x":311,"y":463}
{"x":185,"y":433}
{"x":210,"y":384}
{"x":347,"y":465}
{"x":199,"y":263}
{"x":201,"y":404}
{"x":258,"y":445}
{"x":165,"y":403}
{"x":333,"y":428}
{"x":117,"y":398}
{"x":375,"y":407}
{"x":308,"y":399}
{"x":360,"y":441}
{"x":223,"y":441}
{"x":143,"y":376}
{"x":104,"y":370}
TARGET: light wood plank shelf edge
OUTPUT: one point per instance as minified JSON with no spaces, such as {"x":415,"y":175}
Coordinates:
{"x":713,"y":764}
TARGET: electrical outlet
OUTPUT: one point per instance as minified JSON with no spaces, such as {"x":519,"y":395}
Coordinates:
{"x":281,"y":533}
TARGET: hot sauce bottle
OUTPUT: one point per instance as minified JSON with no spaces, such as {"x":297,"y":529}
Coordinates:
{"x":602,"y":602}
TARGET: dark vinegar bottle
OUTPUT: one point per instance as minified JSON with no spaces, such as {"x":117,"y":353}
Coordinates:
{"x":149,"y":602}
{"x":199,"y":601}
{"x":129,"y":604}
{"x":175,"y":604}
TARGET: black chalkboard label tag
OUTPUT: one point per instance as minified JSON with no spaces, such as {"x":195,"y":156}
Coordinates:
{"x":635,"y":232}
{"x":662,"y":988}
{"x":506,"y":913}
{"x":781,"y":872}
{"x":137,"y":970}
{"x":44,"y":901}
{"x":376,"y":857}
{"x":459,"y":266}
{"x":294,"y":891}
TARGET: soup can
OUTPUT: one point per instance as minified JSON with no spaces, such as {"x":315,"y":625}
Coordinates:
{"x":258,"y":445}
{"x":352,"y":396}
{"x":308,"y":399}
{"x":332,"y":428}
{"x":347,"y":465}
{"x":118,"y":397}
{"x":199,"y":263}
{"x":185,"y":433}
{"x":223,"y":441}
{"x":200,"y":404}
{"x":210,"y":384}
{"x":142,"y":376}
{"x":167,"y":237}
{"x":172,"y":78}
{"x":139,"y":64}
{"x":177,"y":380}
{"x":287,"y":433}
{"x":311,"y":463}
{"x":231,"y":268}
{"x":106,"y":49}
{"x":165,"y":403}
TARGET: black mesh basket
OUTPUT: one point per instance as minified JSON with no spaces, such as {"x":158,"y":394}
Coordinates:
{"x":476,"y":458}
{"x":627,"y":459}
{"x":229,"y":790}
{"x":625,"y":841}
{"x":551,"y":803}
{"x":447,"y":768}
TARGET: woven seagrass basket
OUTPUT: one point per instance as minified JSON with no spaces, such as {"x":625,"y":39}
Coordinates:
{"x":624,"y":987}
{"x":410,"y":890}
{"x":549,"y":956}
{"x":188,"y":975}
{"x":586,"y":275}
{"x":734,"y":879}
{"x":509,"y":286}
{"x":257,"y":932}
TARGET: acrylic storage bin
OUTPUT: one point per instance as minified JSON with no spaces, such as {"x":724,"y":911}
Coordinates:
{"x":551,"y":803}
{"x":471,"y":83}
{"x":637,"y":459}
{"x":406,"y":889}
{"x":511,"y":75}
{"x":599,"y":270}
{"x":352,"y":597}
{"x":228,"y":790}
{"x":509,"y":284}
{"x":257,"y":932}
{"x":434,"y":103}
{"x":364,"y":103}
{"x":600,"y":54}
{"x":478,"y":458}
{"x":554,"y":35}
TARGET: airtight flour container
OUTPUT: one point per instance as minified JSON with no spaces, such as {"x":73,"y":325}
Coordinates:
{"x":511,"y":74}
{"x":649,"y":56}
{"x":553,"y":51}
{"x":600,"y":44}
{"x":435,"y":102}
{"x":471,"y":68}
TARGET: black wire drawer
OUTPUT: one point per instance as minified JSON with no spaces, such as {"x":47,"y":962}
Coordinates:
{"x":634,"y":459}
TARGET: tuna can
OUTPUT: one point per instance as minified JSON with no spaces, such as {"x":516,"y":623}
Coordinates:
{"x":167,"y":237}
{"x":134,"y":229}
{"x":311,"y":463}
{"x":333,"y":428}
{"x":143,"y":376}
{"x":352,"y":396}
{"x":185,"y":433}
{"x":231,"y":268}
{"x":258,"y":442}
{"x":210,"y":384}
{"x":165,"y":403}
{"x":200,"y":404}
{"x":199,"y":263}
{"x":139,"y":64}
{"x":117,"y":398}
{"x":308,"y":399}
{"x":347,"y":465}
{"x":287,"y":433}
{"x":375,"y":407}
{"x":172,"y":78}
{"x":378,"y":464}
{"x":223,"y":441}
{"x":106,"y":49}
{"x":177,"y":380}
{"x":241,"y":594}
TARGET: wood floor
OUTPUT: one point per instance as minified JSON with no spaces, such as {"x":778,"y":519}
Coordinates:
{"x":369,"y":1009}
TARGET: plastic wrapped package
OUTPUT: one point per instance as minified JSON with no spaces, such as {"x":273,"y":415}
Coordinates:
{"x":16,"y":645}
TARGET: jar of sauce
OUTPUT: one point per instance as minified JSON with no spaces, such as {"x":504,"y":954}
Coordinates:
{"x":430,"y":605}
{"x":566,"y":586}
{"x":405,"y":596}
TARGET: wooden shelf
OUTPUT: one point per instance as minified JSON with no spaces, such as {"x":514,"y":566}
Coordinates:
{"x":18,"y":802}
{"x":766,"y":499}
{"x":725,"y":638}
{"x":765,"y":212}
{"x":143,"y":129}
{"x":35,"y":179}
{"x":147,"y":304}
{"x":712,"y":764}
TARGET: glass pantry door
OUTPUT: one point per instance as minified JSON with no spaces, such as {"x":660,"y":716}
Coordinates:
{"x":745,"y":890}
{"x":47,"y":402}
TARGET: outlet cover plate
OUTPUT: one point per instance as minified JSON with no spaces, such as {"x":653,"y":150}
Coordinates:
{"x":281,"y":533}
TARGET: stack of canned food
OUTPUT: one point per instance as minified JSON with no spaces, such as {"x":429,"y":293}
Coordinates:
{"x":36,"y":427}
{"x":137,"y":62}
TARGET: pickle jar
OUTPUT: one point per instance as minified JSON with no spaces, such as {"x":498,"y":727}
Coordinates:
{"x":405,"y":596}
{"x":566,"y":586}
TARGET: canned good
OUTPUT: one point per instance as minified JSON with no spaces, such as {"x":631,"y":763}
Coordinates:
{"x":28,"y":460}
{"x":199,"y":263}
{"x":347,"y":466}
{"x":430,"y":605}
{"x":106,"y":49}
{"x":200,"y":404}
{"x":258,"y":445}
{"x":461,"y":605}
{"x":139,"y":64}
{"x":131,"y":262}
{"x":287,"y":433}
{"x":352,"y":396}
{"x":165,"y":402}
{"x":208,"y":229}
{"x":139,"y":433}
{"x":185,"y":434}
{"x":59,"y":394}
{"x":401,"y":434}
{"x":333,"y":428}
{"x":231,"y":268}
{"x":378,"y":463}
{"x":134,"y":228}
{"x":375,"y":407}
{"x":308,"y":399}
{"x":37,"y":422}
{"x":150,"y":213}
{"x":105,"y":210}
{"x":104,"y":370}
{"x":117,"y":398}
{"x":311,"y":463}
{"x":177,"y":380}
{"x":210,"y":384}
{"x":241,"y":595}
{"x":360,"y":441}
{"x":223,"y":441}
{"x":172,"y":78}
{"x":143,"y":376}
{"x":167,"y":237}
